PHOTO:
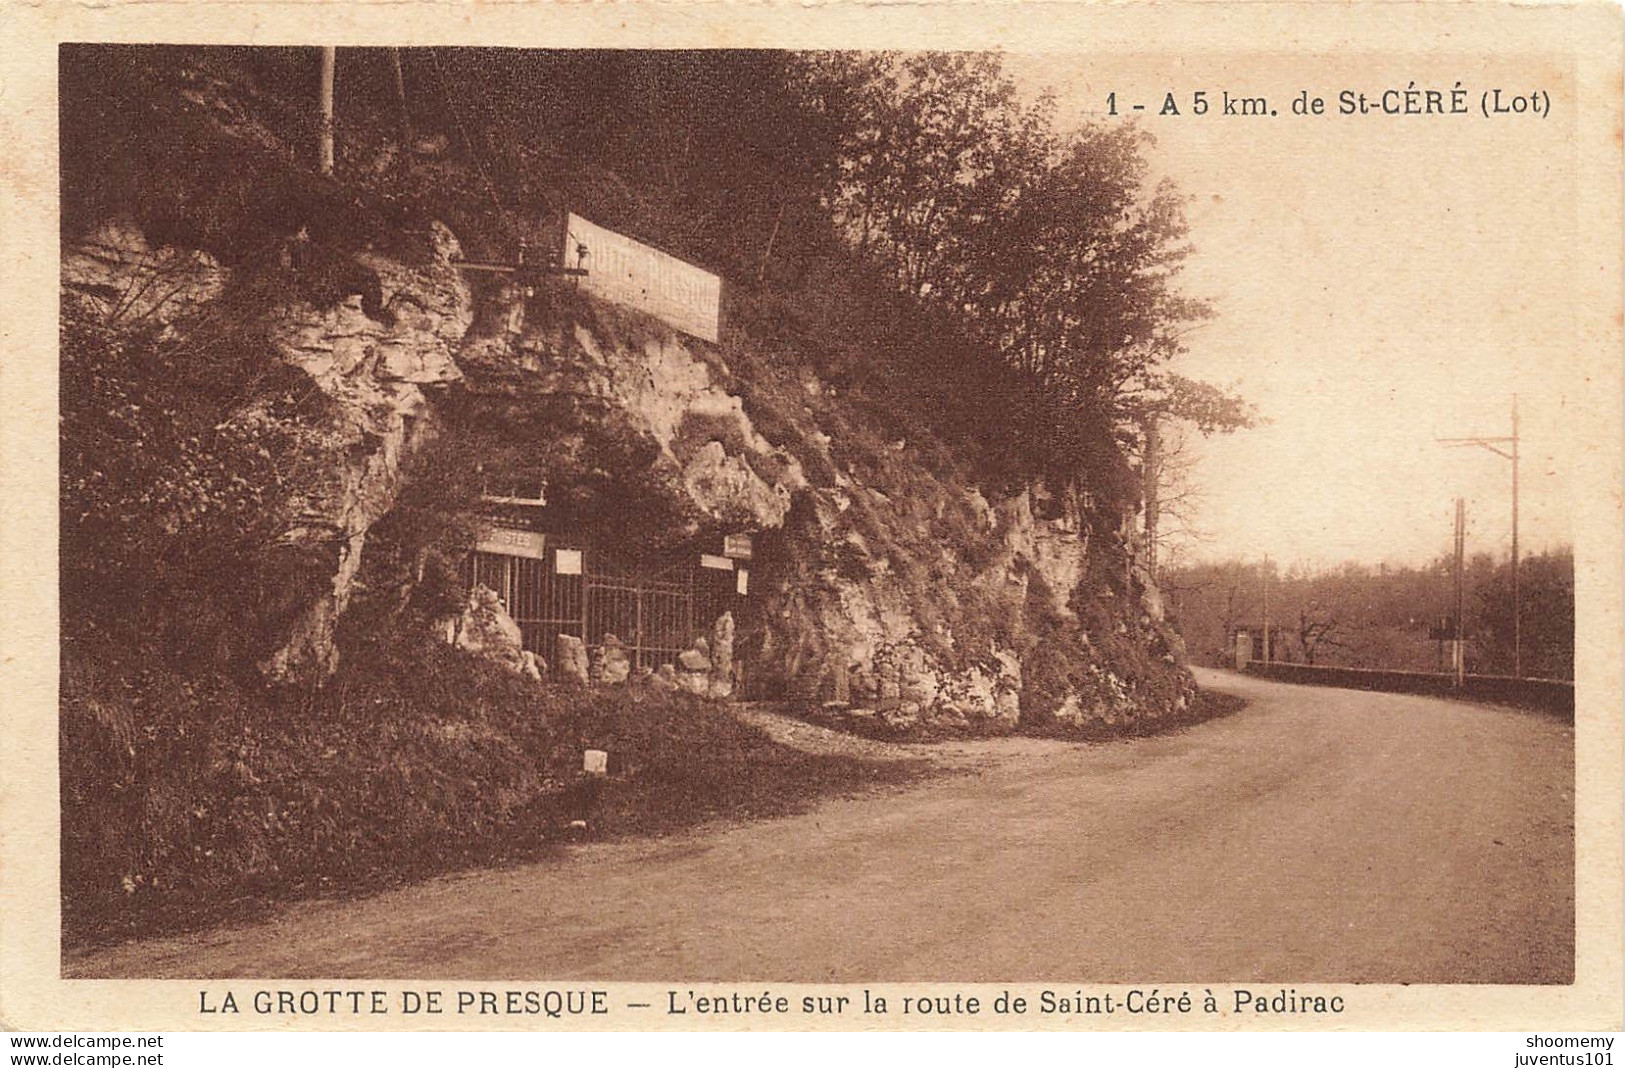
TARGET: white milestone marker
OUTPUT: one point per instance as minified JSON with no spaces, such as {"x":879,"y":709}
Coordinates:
{"x":595,"y":762}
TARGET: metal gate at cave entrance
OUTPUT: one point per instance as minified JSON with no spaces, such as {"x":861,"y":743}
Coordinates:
{"x":552,"y":586}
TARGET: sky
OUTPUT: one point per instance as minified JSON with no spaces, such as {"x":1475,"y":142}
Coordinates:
{"x":1380,"y":282}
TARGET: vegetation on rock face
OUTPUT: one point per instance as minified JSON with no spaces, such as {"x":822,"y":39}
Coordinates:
{"x":181,"y":457}
{"x":938,"y":250}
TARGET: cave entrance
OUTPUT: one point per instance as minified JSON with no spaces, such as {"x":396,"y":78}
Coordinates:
{"x":554,"y":584}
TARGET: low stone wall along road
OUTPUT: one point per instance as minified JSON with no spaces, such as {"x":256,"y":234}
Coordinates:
{"x":1319,"y":835}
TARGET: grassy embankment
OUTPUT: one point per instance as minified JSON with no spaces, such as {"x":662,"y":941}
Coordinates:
{"x":189,"y":802}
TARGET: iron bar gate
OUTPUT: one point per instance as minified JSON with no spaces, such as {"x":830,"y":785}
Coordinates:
{"x":652,"y":616}
{"x":655,"y":615}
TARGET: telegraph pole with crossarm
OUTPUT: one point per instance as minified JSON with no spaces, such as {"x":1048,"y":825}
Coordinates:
{"x":1510,"y":452}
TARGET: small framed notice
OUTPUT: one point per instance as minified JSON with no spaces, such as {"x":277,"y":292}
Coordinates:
{"x":567,"y":562}
{"x":742,"y":582}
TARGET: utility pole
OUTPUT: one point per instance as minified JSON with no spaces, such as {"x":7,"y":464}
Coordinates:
{"x":400,"y":97}
{"x":1266,"y":610}
{"x":1494,"y":444}
{"x":1517,"y":601}
{"x":329,"y":67}
{"x":1458,"y":659}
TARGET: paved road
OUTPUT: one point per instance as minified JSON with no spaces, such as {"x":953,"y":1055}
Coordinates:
{"x":1320,"y":835}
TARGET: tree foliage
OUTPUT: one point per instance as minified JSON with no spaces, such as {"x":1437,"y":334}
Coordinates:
{"x":1203,"y":405}
{"x":1054,"y":247}
{"x":1357,"y":615}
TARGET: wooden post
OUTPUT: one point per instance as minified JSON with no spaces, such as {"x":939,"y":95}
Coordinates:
{"x":1517,"y":600}
{"x":688,"y":604}
{"x":586,"y":597}
{"x":1459,"y":666}
{"x":637,"y":624}
{"x":329,"y":70}
{"x":1266,"y":638}
{"x":400,"y":96}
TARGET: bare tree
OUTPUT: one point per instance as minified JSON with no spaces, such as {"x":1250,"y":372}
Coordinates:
{"x":1169,"y":409}
{"x":1317,"y":626}
{"x":1173,"y":496}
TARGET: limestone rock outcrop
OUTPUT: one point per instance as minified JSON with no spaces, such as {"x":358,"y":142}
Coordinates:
{"x":655,"y":386}
{"x":485,"y":629}
{"x":570,"y":654}
{"x":374,"y":373}
{"x":123,"y":279}
{"x":612,"y":665}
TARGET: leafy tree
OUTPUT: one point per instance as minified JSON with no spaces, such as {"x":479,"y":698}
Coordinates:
{"x":180,"y":464}
{"x":1202,"y":405}
{"x":933,"y":147}
{"x":1098,"y":310}
{"x":1056,"y":248}
{"x":1171,"y":407}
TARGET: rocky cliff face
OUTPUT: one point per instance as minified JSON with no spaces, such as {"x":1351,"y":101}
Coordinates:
{"x":373,"y":371}
{"x":879,"y":586}
{"x":648,"y":386}
{"x":885,"y":583}
{"x":918,"y":603}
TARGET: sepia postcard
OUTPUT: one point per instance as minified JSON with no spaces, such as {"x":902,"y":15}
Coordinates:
{"x":1014,"y":516}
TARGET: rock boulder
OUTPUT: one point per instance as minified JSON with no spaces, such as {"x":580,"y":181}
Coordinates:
{"x":571,"y":654}
{"x":486,"y":630}
{"x":612,"y":665}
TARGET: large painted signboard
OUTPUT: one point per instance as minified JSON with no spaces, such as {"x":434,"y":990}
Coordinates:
{"x":633,"y":274}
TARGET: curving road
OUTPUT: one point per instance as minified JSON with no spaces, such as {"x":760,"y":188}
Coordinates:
{"x":1320,"y":835}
